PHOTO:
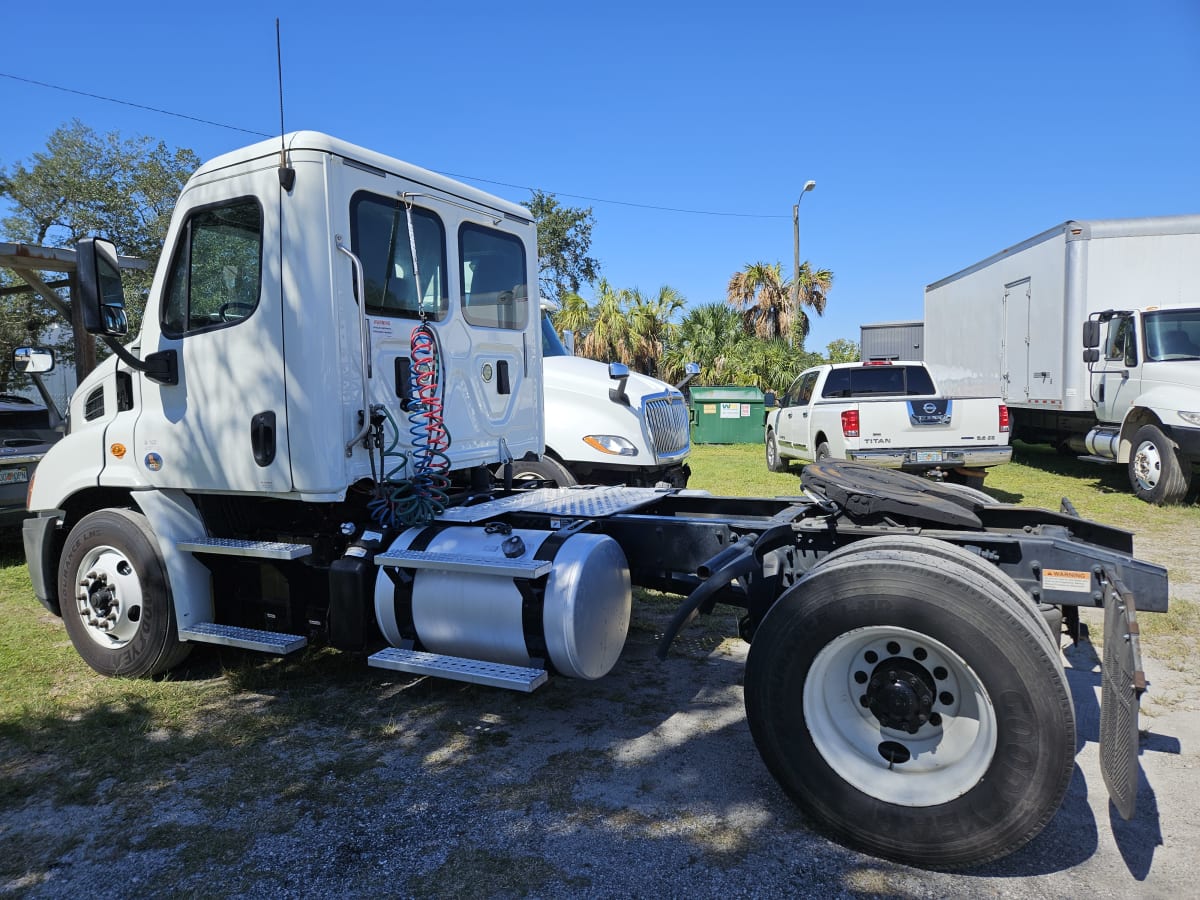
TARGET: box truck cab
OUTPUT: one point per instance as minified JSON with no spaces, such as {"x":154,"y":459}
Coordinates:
{"x":1144,"y":367}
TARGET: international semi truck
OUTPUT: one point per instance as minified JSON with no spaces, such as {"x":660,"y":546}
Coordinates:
{"x":312,"y":438}
{"x":1012,"y":323}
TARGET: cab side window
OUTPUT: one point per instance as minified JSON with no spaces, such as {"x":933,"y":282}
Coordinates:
{"x":396,"y":284}
{"x":495,"y":283}
{"x":1121,"y":344}
{"x":215,"y":277}
{"x":807,"y":383}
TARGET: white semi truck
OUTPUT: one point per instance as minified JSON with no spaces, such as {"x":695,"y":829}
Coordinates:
{"x":1011,"y":325}
{"x":338,"y":353}
{"x":607,"y":425}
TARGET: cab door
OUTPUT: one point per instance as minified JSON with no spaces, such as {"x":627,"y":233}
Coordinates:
{"x":795,"y":419}
{"x":1118,"y":383}
{"x":468,"y":281}
{"x":223,"y":426}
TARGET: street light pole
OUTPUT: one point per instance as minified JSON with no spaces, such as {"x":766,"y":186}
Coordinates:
{"x":808,"y":186}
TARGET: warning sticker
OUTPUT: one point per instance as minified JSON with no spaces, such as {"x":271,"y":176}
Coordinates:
{"x":1066,"y":580}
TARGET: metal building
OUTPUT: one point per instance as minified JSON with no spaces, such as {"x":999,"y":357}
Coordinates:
{"x":892,"y":340}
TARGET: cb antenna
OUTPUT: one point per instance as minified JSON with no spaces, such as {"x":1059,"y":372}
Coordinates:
{"x":287,"y":175}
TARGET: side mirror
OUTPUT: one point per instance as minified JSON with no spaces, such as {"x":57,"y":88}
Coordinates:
{"x":769,"y":399}
{"x":619,"y":372}
{"x":33,"y":360}
{"x":101,"y":296}
{"x":690,"y":371}
{"x":1091,"y":355}
{"x":1091,"y":334}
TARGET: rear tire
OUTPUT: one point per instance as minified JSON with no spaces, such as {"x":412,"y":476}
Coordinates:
{"x":910,"y":711}
{"x":1157,"y":473}
{"x":775,"y":462}
{"x":116,"y":598}
{"x":823,"y":451}
{"x":990,"y":578}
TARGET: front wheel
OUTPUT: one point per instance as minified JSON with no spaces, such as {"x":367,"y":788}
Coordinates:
{"x":1157,"y":473}
{"x":910,"y":711}
{"x":775,"y":462}
{"x":116,"y":598}
{"x":544,"y":469}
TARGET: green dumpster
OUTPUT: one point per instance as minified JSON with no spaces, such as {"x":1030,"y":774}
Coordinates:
{"x":727,"y":415}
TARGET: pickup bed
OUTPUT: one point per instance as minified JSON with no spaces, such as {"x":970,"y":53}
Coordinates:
{"x":885,"y":414}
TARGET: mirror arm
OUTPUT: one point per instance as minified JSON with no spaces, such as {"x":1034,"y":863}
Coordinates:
{"x":162,"y":366}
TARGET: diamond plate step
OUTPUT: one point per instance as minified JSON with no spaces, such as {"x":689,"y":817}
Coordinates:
{"x":245,"y":638}
{"x":455,"y":668}
{"x":475,"y":565}
{"x":235,"y":547}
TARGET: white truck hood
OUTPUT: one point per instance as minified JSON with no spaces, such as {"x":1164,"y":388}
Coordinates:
{"x":577,"y":404}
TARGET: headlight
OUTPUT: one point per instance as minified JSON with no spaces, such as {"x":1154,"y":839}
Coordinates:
{"x":613,"y":444}
{"x":1193,"y":417}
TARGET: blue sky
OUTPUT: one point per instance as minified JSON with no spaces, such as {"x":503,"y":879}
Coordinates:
{"x":938,"y":132}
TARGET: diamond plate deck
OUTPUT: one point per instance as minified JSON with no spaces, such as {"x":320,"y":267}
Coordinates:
{"x":586,"y":503}
{"x":455,"y":668}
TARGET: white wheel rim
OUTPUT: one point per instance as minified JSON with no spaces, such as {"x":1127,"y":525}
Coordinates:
{"x":1147,"y":466}
{"x":108,"y":597}
{"x":946,"y":756}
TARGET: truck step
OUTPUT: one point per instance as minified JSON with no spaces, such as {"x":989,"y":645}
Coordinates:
{"x":234,"y":547}
{"x":455,"y":668}
{"x":475,"y":565}
{"x":245,"y":638}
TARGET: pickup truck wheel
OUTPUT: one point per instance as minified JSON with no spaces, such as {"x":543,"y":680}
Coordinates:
{"x":910,"y":711}
{"x":823,"y":451}
{"x":1157,"y":473}
{"x":545,"y":469}
{"x":775,"y":462}
{"x":115,"y":596}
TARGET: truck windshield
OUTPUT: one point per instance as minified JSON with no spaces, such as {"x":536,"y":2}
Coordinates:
{"x":1172,"y":334}
{"x":551,"y":345}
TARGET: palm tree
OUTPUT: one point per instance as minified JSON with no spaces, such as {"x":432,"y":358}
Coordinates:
{"x":710,"y":335}
{"x":760,"y":292}
{"x":650,"y":325}
{"x":574,"y":314}
{"x":610,"y":339}
{"x":814,"y":291}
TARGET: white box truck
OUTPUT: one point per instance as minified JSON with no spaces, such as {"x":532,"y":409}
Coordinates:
{"x":1011,"y":324}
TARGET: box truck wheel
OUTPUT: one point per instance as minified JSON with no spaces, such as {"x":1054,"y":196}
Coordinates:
{"x":116,"y":598}
{"x":1157,"y":473}
{"x":546,"y":469}
{"x":912,"y":710}
{"x":775,"y":462}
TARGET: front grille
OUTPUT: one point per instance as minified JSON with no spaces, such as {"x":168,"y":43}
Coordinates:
{"x":669,"y":425}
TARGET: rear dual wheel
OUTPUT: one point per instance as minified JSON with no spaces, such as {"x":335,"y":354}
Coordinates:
{"x":912,"y":709}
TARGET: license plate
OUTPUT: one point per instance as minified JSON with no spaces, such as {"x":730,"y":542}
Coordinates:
{"x":15,"y":475}
{"x":927,"y":456}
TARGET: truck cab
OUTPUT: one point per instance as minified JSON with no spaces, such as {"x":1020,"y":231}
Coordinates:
{"x":1144,"y":366}
{"x":607,"y":425}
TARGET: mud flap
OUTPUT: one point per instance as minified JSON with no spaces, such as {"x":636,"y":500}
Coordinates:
{"x":1122,"y":684}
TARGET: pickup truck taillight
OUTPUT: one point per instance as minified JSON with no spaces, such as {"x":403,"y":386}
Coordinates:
{"x":850,"y":423}
{"x":1003,"y":417}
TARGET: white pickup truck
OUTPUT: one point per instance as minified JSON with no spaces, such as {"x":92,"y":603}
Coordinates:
{"x":887,"y":414}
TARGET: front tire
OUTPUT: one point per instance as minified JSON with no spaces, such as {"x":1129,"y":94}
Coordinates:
{"x":545,"y":469}
{"x":1157,"y":473}
{"x":116,"y":598}
{"x":775,"y":462}
{"x":911,"y":712}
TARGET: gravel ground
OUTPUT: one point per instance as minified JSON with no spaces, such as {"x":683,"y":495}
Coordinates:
{"x":645,"y":783}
